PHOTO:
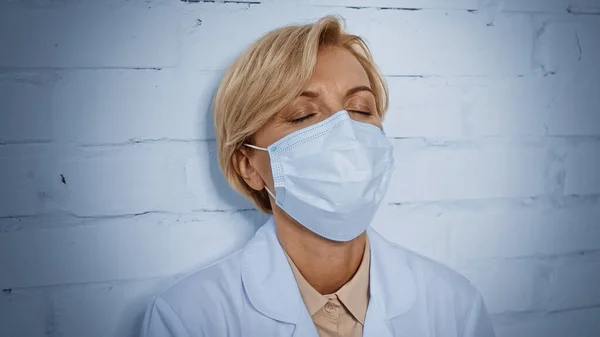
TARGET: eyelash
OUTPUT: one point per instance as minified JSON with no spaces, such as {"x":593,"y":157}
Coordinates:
{"x":303,"y":118}
{"x":366,"y":113}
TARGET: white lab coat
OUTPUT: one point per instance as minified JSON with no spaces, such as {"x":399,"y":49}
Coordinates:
{"x":253,"y":293}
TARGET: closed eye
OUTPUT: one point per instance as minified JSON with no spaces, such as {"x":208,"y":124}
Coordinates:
{"x":302,"y":119}
{"x":366,"y":113}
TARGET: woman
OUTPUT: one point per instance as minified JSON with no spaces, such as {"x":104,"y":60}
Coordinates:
{"x":298,"y":121}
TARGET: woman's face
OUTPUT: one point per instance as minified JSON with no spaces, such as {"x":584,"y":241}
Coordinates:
{"x":338,"y":82}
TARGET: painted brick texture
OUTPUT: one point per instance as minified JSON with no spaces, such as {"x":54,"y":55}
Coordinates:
{"x":110,"y":190}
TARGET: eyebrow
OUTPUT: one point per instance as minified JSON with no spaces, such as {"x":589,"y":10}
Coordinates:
{"x":348,"y":93}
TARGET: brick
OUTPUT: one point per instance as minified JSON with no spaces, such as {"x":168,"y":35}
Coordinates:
{"x":120,"y":248}
{"x":465,"y":44}
{"x":421,"y":230}
{"x":103,"y":309}
{"x":468,"y":46}
{"x":573,"y":109}
{"x":451,"y":173}
{"x":583,"y":175}
{"x":50,"y":221}
{"x":508,"y":107}
{"x":106,"y":309}
{"x":80,"y":36}
{"x":24,"y":313}
{"x":202,"y":49}
{"x":114,"y":106}
{"x":25,"y":178}
{"x":24,"y":109}
{"x":514,"y":233}
{"x":113,"y":249}
{"x":220,"y":2}
{"x":574,"y":283}
{"x":508,"y":286}
{"x":556,"y":6}
{"x":587,"y":36}
{"x":149,"y":177}
{"x":19,"y":194}
{"x":435,"y":4}
{"x":569,"y":46}
{"x":220,"y":234}
{"x":416,"y":102}
{"x":584,"y":6}
{"x":115,"y":180}
{"x":557,"y":49}
{"x":582,"y":323}
{"x":207,"y":187}
{"x":458,"y":108}
{"x":478,"y":107}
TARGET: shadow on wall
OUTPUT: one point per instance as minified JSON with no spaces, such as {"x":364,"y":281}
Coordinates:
{"x":231,"y":199}
{"x":221,"y":198}
{"x":227,"y":196}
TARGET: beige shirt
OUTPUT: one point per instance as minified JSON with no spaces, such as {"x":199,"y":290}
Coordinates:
{"x":341,"y":314}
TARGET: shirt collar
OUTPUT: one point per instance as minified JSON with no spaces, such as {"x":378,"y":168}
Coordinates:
{"x":355,"y":294}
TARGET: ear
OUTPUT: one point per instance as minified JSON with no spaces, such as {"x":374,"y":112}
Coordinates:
{"x":242,"y":164}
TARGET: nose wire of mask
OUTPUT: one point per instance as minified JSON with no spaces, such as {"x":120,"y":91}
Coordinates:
{"x":309,"y":185}
{"x":266,"y":150}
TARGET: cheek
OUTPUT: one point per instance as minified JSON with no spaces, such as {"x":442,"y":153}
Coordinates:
{"x":373,"y":120}
{"x":377,"y":121}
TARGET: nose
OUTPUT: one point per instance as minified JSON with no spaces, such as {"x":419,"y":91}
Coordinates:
{"x":332,"y":103}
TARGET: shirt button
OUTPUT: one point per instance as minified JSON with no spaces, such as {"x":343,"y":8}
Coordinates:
{"x":329,"y":307}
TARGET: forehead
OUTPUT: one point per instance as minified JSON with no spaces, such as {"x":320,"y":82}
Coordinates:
{"x":338,"y":66}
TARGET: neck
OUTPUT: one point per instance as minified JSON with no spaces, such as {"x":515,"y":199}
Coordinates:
{"x":326,"y":265}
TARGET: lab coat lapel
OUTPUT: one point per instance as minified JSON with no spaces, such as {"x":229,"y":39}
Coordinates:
{"x":271,"y":286}
{"x":392,"y":286}
{"x":375,"y":322}
{"x":305,"y":326}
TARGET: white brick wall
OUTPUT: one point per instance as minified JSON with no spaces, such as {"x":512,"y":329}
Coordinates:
{"x":80,"y":37}
{"x":495,"y":115}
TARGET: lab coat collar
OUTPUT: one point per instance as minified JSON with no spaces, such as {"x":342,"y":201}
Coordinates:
{"x":272,"y":289}
{"x":391,"y":285}
{"x":268,"y":278}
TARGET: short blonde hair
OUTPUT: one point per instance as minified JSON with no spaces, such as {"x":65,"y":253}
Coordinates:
{"x":267,"y":76}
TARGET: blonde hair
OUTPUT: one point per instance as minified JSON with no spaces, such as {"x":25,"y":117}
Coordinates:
{"x":267,"y":76}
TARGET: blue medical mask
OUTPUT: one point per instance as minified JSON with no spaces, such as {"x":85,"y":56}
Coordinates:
{"x":331,"y":176}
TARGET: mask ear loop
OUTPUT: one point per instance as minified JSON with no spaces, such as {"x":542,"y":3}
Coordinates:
{"x":266,"y":150}
{"x":256,"y":147}
{"x":271,"y":194}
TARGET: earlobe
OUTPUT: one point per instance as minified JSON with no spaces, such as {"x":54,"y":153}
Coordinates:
{"x":243,"y":167}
